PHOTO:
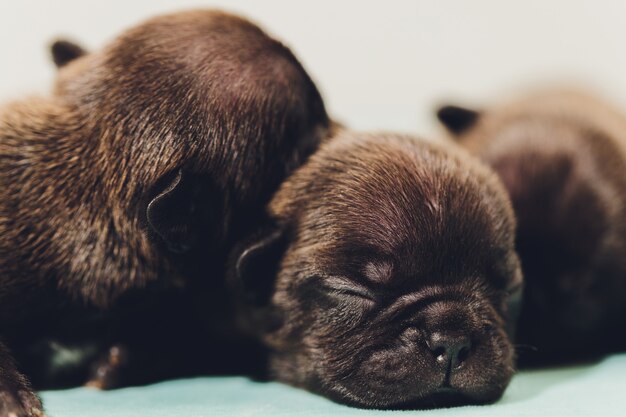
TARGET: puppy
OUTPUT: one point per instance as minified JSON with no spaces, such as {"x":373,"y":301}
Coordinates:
{"x":141,"y":168}
{"x":562,"y":157}
{"x":384,"y":276}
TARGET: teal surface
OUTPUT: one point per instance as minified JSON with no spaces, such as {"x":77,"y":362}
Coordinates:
{"x":598,"y":389}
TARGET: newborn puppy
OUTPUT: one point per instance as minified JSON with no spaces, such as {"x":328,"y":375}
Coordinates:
{"x":148,"y":160}
{"x":562,"y":157}
{"x":384,"y":276}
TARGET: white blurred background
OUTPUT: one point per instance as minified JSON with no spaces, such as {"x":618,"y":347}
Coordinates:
{"x":379,"y":65}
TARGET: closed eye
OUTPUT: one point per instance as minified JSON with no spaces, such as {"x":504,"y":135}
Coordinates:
{"x":343,"y":286}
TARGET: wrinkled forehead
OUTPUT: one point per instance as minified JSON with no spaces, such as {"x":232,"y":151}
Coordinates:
{"x":431,"y":219}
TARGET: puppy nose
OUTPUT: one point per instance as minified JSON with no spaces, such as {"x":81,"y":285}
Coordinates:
{"x":450,"y":350}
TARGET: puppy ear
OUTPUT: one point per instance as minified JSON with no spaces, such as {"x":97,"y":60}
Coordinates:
{"x":64,"y":52}
{"x":180,"y":210}
{"x":257,"y":263}
{"x":457,"y":119}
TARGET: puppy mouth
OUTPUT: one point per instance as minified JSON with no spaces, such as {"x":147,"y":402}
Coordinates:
{"x":443,"y":397}
{"x":406,"y":387}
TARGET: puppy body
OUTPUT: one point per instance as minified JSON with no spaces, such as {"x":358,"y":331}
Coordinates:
{"x":148,"y":156}
{"x":562,"y":157}
{"x":391,"y":263}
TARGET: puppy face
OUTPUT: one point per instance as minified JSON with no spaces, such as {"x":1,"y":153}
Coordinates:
{"x":392,"y":265}
{"x":561,"y":157}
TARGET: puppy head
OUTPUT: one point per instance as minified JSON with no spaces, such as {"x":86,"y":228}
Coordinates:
{"x":387,"y":275}
{"x":560,"y":157}
{"x":197,"y":116}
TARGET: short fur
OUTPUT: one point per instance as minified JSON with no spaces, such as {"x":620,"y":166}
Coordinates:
{"x":562,"y":157}
{"x":381,"y":248}
{"x":149,"y":159}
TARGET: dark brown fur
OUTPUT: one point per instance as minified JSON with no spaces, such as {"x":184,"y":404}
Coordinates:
{"x":381,"y":244}
{"x":146,"y":162}
{"x":562,"y":157}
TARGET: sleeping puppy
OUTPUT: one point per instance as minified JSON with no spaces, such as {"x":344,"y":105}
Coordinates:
{"x":141,"y":168}
{"x":562,"y":157}
{"x":384,"y":276}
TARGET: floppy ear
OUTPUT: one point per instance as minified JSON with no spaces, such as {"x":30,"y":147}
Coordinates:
{"x":65,"y":51}
{"x":181,"y":210}
{"x":257,"y":263}
{"x":457,"y":119}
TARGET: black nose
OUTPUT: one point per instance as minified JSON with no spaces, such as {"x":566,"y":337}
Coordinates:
{"x":450,"y":350}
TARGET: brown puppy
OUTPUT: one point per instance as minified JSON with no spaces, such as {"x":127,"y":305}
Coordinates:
{"x":562,"y":157}
{"x":142,"y":167}
{"x":384,"y":279}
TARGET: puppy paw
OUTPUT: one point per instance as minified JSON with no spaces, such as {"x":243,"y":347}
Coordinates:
{"x":19,"y":403}
{"x":108,"y":369}
{"x":17,"y":399}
